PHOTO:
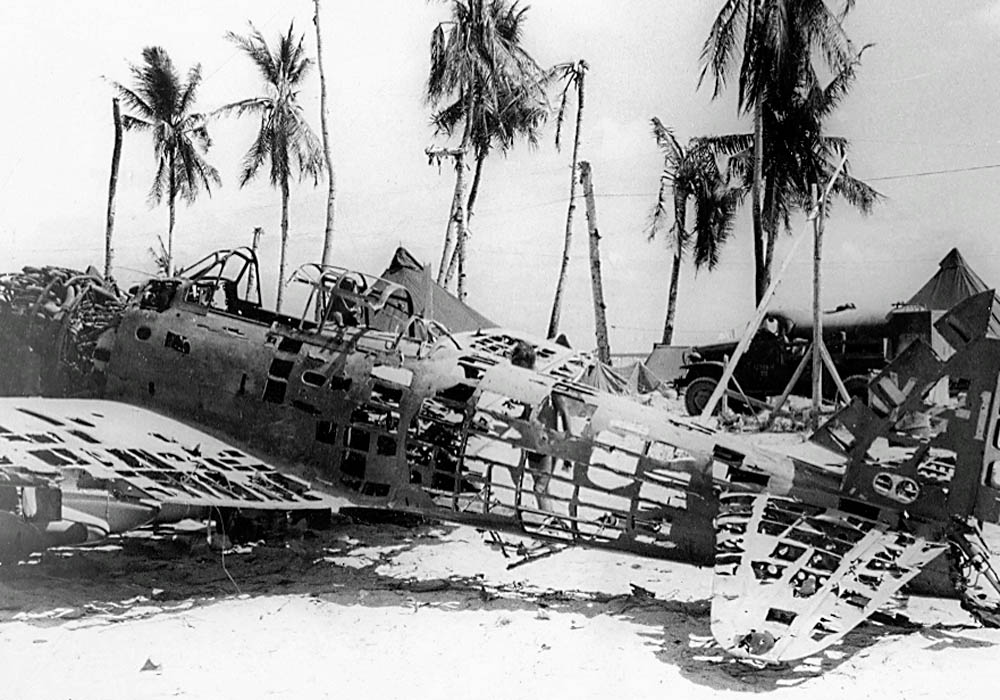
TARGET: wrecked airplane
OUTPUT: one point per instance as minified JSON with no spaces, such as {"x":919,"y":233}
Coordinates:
{"x":362,"y":396}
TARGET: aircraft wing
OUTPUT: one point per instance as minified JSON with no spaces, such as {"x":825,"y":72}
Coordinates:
{"x":119,"y":466}
{"x":791,"y":579}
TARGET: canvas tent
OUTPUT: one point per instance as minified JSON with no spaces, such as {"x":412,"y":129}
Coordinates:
{"x":444,"y":307}
{"x":605,"y":378}
{"x":953,"y":282}
{"x":666,"y":361}
{"x":634,"y":379}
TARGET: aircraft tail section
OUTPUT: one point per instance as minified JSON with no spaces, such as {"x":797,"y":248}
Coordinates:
{"x":896,"y":390}
{"x":973,"y":424}
{"x":791,"y":579}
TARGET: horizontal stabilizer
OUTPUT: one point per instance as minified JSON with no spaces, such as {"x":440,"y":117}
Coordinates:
{"x":792,"y":579}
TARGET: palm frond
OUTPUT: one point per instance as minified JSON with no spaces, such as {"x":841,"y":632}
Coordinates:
{"x":658,"y":218}
{"x":162,"y":104}
{"x":284,"y":139}
{"x":130,"y":123}
{"x":719,"y":47}
{"x":134,"y":102}
{"x":673,"y":152}
{"x":251,"y":105}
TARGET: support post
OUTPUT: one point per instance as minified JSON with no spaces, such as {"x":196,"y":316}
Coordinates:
{"x":817,"y":340}
{"x":600,"y":309}
{"x":116,"y":156}
{"x":765,"y":301}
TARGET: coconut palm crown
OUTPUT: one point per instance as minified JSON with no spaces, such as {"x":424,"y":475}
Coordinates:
{"x":284,"y":140}
{"x":162,"y":103}
{"x":691,"y":175}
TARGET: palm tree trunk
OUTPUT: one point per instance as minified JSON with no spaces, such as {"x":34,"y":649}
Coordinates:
{"x":554,"y":317}
{"x":331,"y":178}
{"x":116,"y":155}
{"x":448,"y":253}
{"x":460,"y":220}
{"x":770,"y":216}
{"x":600,"y":309}
{"x":680,"y":216}
{"x":170,"y":230}
{"x":474,"y":190}
{"x":284,"y":242}
{"x":473,"y":195}
{"x":762,"y":265}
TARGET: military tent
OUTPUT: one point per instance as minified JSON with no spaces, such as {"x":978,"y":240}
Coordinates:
{"x":641,"y":379}
{"x":431,"y":299}
{"x":605,"y":378}
{"x":634,"y":379}
{"x":953,"y":282}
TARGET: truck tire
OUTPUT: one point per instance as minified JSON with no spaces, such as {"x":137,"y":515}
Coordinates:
{"x":697,"y":394}
{"x":857,"y":385}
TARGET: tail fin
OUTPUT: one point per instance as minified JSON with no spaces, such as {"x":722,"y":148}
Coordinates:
{"x":972,"y":328}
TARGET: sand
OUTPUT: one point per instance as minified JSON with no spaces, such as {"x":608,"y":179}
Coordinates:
{"x":432,"y":611}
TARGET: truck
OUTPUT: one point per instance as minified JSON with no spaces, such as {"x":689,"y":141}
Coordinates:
{"x":858,"y":345}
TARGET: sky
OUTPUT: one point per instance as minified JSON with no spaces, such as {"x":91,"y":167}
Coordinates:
{"x":924,"y":102}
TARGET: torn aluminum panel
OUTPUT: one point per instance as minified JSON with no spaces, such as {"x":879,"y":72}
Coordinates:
{"x":121,"y":467}
{"x":791,"y":579}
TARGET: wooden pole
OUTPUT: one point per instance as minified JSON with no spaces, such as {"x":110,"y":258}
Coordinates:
{"x":600,"y":310}
{"x":429,"y":285}
{"x":806,"y":356}
{"x":817,"y":341}
{"x":456,"y":216}
{"x":116,"y":156}
{"x":765,"y":300}
{"x":741,"y":347}
{"x":251,"y":280}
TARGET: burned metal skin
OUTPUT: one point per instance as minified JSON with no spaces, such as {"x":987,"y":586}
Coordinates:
{"x":368,"y":399}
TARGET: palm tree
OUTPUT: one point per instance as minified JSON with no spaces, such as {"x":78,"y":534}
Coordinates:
{"x":162,"y":103}
{"x":478,"y":69}
{"x":331,"y":190}
{"x":797,"y":154}
{"x":691,"y":174}
{"x":520,"y":115}
{"x":284,"y":136}
{"x":572,"y":76}
{"x":774,"y":39}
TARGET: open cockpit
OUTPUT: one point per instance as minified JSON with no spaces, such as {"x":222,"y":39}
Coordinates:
{"x":332,"y":298}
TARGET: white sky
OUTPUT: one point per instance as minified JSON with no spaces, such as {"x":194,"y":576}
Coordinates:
{"x":924,"y":101}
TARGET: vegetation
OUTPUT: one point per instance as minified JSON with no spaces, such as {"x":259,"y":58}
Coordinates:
{"x":483,"y":83}
{"x":797,"y":153}
{"x":486,"y":91}
{"x":162,"y":103}
{"x":572,"y":75}
{"x":285,"y":141}
{"x":774,"y":42}
{"x":692,"y":175}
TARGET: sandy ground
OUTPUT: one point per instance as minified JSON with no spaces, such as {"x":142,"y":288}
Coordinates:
{"x":431,"y":611}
